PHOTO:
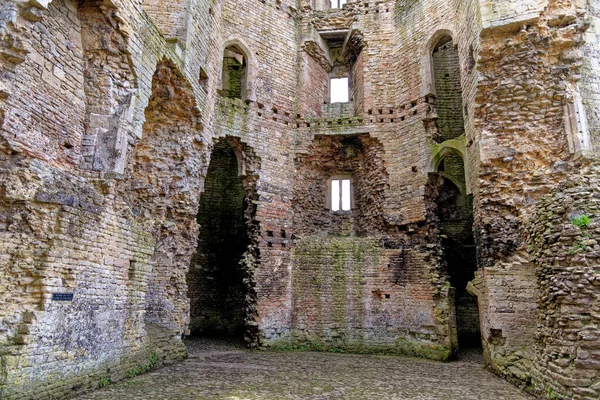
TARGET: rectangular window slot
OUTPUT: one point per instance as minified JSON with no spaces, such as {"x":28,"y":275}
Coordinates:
{"x":338,"y":3}
{"x":339,"y":90}
{"x":341,"y":195}
{"x":270,"y":233}
{"x":283,"y":233}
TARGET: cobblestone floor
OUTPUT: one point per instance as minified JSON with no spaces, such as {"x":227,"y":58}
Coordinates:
{"x":219,"y":370}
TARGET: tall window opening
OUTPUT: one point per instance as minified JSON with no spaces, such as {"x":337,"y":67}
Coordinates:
{"x":215,"y":279}
{"x":340,"y":198}
{"x":235,"y":73}
{"x":339,"y":90}
{"x":338,"y":3}
{"x":446,"y":74}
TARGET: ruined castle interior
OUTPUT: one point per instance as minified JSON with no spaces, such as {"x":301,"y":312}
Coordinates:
{"x":401,"y":177}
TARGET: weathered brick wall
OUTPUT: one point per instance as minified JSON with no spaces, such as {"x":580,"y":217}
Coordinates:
{"x":127,"y":227}
{"x":351,"y":294}
{"x":313,"y":86}
{"x":171,"y":18}
{"x":49,"y":122}
{"x":448,"y":91}
{"x":264,"y":125}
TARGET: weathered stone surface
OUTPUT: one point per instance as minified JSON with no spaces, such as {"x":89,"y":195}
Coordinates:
{"x":469,"y":137}
{"x":218,"y":371}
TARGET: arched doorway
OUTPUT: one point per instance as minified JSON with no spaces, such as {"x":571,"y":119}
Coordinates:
{"x":217,"y":285}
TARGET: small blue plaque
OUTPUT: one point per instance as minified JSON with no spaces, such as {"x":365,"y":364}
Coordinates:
{"x":62,"y":296}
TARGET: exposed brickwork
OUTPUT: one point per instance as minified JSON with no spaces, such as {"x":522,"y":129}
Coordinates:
{"x":111,"y":110}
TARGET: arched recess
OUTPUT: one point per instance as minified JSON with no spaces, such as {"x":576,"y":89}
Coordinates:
{"x":221,"y":275}
{"x":165,"y":174}
{"x":235,"y":51}
{"x":427,"y":65}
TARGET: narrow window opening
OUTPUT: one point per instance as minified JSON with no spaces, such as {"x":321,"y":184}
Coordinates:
{"x":341,"y":194}
{"x":203,"y":78}
{"x":234,"y":73}
{"x":335,"y":195}
{"x":345,"y":198}
{"x":339,"y":92}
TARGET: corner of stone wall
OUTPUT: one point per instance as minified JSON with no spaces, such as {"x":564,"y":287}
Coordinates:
{"x":565,"y":243}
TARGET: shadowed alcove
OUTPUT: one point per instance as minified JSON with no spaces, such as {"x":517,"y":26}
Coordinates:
{"x":216,"y":278}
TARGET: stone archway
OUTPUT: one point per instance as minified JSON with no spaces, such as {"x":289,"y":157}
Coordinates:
{"x":166,"y":171}
{"x":220,"y":279}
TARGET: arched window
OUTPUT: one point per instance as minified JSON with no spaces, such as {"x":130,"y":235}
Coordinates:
{"x":446,"y":76}
{"x":235,"y":73}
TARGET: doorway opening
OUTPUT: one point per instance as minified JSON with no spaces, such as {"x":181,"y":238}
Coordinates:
{"x":217,"y":284}
{"x":455,"y":213}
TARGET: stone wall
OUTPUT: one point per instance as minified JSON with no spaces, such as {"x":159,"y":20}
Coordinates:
{"x":522,"y":152}
{"x":360,"y":159}
{"x":79,"y":255}
{"x":590,"y":80}
{"x":110,"y":111}
{"x":563,"y":237}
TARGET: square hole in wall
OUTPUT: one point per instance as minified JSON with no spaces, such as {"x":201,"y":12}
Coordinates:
{"x":339,"y":90}
{"x":338,"y":3}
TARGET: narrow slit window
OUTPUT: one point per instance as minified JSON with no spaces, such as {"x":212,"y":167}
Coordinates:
{"x":341,"y":194}
{"x":345,"y":197}
{"x":339,"y":90}
{"x":338,"y":3}
{"x":335,"y":195}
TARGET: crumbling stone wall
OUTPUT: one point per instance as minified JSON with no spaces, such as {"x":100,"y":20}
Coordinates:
{"x":166,"y":171}
{"x":102,"y":171}
{"x":528,"y":106}
{"x":79,"y":237}
{"x":109,"y":86}
{"x":359,"y":157}
{"x":563,"y":238}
